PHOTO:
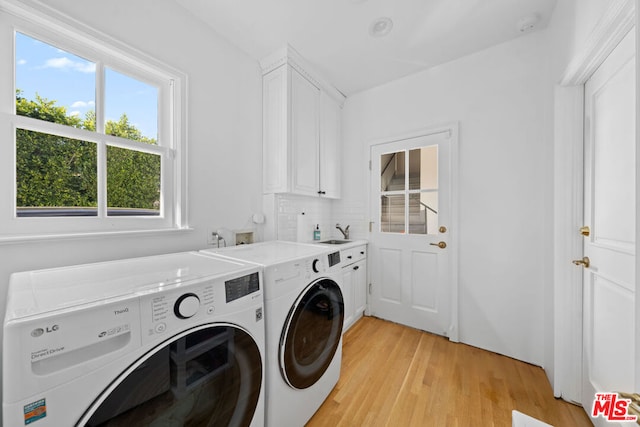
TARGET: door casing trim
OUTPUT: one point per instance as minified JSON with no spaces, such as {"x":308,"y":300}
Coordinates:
{"x":565,"y":374}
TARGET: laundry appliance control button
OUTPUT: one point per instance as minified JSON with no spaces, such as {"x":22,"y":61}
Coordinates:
{"x":186,"y":306}
{"x":314,"y":265}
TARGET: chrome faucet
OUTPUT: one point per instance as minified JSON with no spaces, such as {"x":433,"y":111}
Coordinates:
{"x":344,"y":232}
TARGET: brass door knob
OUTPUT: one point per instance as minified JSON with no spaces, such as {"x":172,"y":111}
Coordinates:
{"x":441,"y":245}
{"x":585,"y":262}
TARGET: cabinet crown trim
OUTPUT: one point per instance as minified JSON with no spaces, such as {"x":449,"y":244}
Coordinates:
{"x":289,"y":56}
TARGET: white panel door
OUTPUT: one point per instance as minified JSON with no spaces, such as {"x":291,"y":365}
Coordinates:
{"x":410,"y":235}
{"x":609,"y":211}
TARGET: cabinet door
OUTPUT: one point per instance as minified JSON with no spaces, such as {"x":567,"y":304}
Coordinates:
{"x":348,"y":276}
{"x":330,"y":146}
{"x":305,"y":119}
{"x":359,"y":288}
{"x":275,"y":153}
{"x":354,"y":288}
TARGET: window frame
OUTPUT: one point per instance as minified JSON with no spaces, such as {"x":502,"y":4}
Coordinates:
{"x":38,"y":20}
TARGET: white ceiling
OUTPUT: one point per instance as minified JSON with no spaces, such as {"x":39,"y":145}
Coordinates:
{"x":333,"y":35}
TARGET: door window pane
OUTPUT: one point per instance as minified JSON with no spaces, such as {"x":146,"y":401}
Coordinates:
{"x":133,"y":182}
{"x":424,"y":217}
{"x":423,"y":168}
{"x":55,"y":176}
{"x":392,"y":171}
{"x":131,"y":108}
{"x":392,"y":211}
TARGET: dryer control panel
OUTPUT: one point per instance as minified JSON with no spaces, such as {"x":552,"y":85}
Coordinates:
{"x":334,"y":258}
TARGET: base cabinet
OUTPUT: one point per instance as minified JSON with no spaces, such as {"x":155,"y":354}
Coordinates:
{"x":354,"y":281}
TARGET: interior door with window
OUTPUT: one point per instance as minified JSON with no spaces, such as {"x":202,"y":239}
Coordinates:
{"x":610,"y":216}
{"x":410,"y":231}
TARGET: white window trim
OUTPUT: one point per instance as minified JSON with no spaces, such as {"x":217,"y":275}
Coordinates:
{"x":37,"y":19}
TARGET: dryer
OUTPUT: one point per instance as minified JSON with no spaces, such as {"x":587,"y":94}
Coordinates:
{"x":166,"y":340}
{"x":304,"y":316}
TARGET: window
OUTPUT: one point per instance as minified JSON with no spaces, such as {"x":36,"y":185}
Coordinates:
{"x":409,"y":191}
{"x":92,"y":137}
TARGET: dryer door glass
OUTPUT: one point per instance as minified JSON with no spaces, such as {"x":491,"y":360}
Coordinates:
{"x":208,"y":376}
{"x":312,"y":334}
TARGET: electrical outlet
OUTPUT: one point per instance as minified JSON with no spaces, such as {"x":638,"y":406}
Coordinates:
{"x":212,"y":237}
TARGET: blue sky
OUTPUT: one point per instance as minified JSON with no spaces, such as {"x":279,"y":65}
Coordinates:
{"x":70,"y":80}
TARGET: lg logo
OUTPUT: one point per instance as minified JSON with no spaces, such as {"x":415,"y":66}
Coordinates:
{"x":41,"y":331}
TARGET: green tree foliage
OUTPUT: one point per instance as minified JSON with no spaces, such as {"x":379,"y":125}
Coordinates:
{"x":53,"y":171}
{"x":133,"y":177}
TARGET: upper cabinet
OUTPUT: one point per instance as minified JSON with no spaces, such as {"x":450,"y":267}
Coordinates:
{"x":301,"y":129}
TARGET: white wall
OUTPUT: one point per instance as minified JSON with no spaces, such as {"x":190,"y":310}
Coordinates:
{"x":224,"y":133}
{"x":502,"y":98}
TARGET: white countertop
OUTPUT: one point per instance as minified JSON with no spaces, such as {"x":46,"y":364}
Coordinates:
{"x":342,"y":246}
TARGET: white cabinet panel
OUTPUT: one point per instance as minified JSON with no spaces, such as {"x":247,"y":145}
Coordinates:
{"x":305,"y":132}
{"x":301,"y":135}
{"x":275,"y":154}
{"x":354,"y":284}
{"x":330,"y":147}
{"x":360,"y":288}
{"x":348,"y":276}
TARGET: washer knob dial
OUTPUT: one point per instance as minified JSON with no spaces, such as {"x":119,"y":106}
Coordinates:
{"x":186,"y":306}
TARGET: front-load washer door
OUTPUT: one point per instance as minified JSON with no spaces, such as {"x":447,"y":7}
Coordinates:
{"x":207,"y":376}
{"x":311,"y":334}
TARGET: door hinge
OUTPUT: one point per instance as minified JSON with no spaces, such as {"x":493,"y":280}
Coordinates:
{"x":370,"y":289}
{"x":369,"y":164}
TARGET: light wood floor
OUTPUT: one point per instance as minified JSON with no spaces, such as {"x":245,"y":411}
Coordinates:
{"x":397,"y":376}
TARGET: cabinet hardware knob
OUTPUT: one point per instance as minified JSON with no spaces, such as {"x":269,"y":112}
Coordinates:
{"x":356,"y":267}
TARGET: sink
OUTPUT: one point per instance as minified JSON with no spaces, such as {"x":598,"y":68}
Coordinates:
{"x":335,"y":242}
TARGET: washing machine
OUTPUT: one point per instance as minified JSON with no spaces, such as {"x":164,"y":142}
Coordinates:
{"x":170,"y":340}
{"x":304,"y":315}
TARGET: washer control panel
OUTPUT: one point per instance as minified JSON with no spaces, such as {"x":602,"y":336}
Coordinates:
{"x":164,"y":312}
{"x":180,"y":304}
{"x":186,"y":306}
